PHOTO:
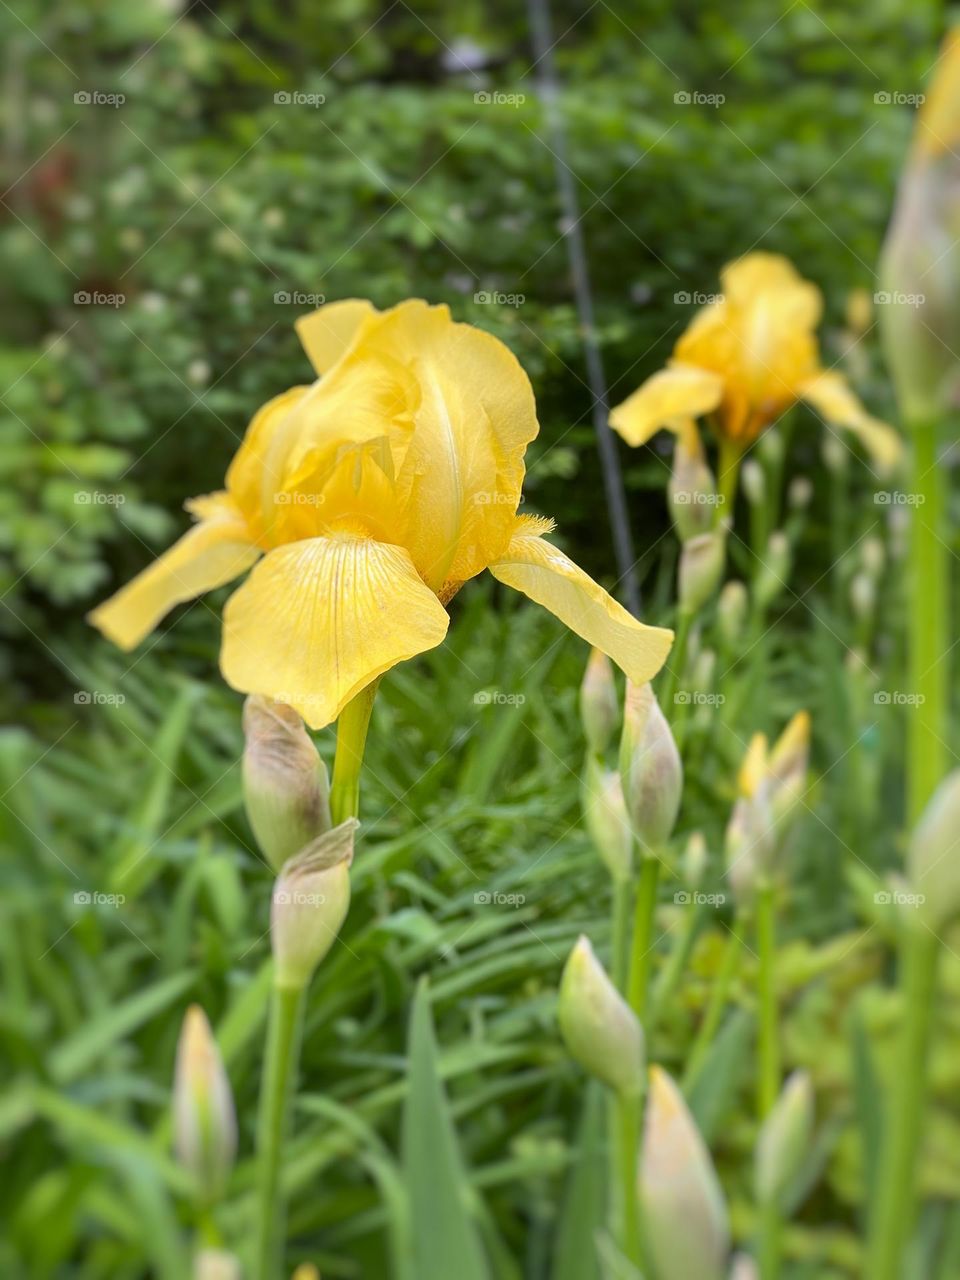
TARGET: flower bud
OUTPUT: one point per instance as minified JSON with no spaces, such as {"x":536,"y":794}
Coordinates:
{"x":310,"y":901}
{"x":754,"y":482}
{"x":732,"y":611}
{"x":204,"y":1121}
{"x":933,"y":855}
{"x":701,"y":568}
{"x":787,"y":770}
{"x":684,"y":1214}
{"x":920,"y":264}
{"x":306,"y":1271}
{"x":784,"y":1140}
{"x":691,"y":489}
{"x":774,"y":570}
{"x":835,"y":454}
{"x":650,"y":768}
{"x":800,"y":493}
{"x":285,"y":786}
{"x":858,"y":311}
{"x":771,"y":447}
{"x":599,"y":1028}
{"x":704,"y":669}
{"x":873,"y":556}
{"x":749,"y":844}
{"x":743,"y":1267}
{"x":216,"y":1264}
{"x":695,"y":857}
{"x":605,"y":815}
{"x":863,"y":596}
{"x":599,"y":704}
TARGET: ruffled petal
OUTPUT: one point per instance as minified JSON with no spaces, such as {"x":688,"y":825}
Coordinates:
{"x":318,"y":620}
{"x":669,"y":398}
{"x":328,"y":333}
{"x":215,"y":551}
{"x":542,"y":572}
{"x":832,"y":398}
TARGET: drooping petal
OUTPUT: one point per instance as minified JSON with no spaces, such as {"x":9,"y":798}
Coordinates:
{"x":669,"y":398}
{"x":327,"y":333}
{"x":542,"y":572}
{"x":319,"y":619}
{"x":829,"y":394}
{"x":215,"y":551}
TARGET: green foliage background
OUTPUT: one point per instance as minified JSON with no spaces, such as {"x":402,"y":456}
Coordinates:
{"x":201,"y":199}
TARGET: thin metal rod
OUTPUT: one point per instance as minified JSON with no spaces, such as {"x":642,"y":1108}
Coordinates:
{"x":542,"y":40}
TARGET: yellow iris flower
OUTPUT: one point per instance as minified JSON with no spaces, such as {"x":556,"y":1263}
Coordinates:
{"x":364,"y":501}
{"x":745,"y":359}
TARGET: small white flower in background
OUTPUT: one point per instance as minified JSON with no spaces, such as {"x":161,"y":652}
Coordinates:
{"x":198,"y":372}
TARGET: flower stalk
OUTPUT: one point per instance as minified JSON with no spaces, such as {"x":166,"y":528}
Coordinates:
{"x":352,"y":726}
{"x":768,"y":1077}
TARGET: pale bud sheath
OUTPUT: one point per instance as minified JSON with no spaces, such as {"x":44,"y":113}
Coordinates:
{"x":754,"y":482}
{"x":684,"y":1214}
{"x":216,"y":1264}
{"x":204,"y":1121}
{"x":310,"y":901}
{"x":933,"y":855}
{"x":691,"y":490}
{"x":599,"y":704}
{"x":732,"y":608}
{"x":599,"y":1028}
{"x":701,"y":568}
{"x":605,"y":816}
{"x":650,"y":768}
{"x":285,"y":785}
{"x":784,"y":1140}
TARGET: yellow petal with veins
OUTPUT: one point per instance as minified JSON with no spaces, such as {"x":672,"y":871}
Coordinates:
{"x":215,"y":551}
{"x":318,"y":620}
{"x":829,"y":394}
{"x":669,"y":398}
{"x":542,"y":572}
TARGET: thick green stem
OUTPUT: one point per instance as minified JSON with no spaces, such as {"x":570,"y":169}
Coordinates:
{"x":351,"y":738}
{"x":728,"y":474}
{"x":717,"y":1004}
{"x":928,"y":753}
{"x":768,"y":1074}
{"x":276,"y":1097}
{"x":892,"y":1214}
{"x":641,"y":946}
{"x":769,"y":1241}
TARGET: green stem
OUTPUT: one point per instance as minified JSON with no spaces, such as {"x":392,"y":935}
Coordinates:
{"x":768,"y":1076}
{"x":673,"y":670}
{"x":629,"y":1112}
{"x":276,"y":1096}
{"x":352,"y":728}
{"x":622,"y":1225}
{"x":728,"y":474}
{"x":892,"y":1213}
{"x":770,"y":1241}
{"x":718,"y":1002}
{"x":928,"y":753}
{"x":620,"y":927}
{"x":673,"y":970}
{"x":641,"y":947}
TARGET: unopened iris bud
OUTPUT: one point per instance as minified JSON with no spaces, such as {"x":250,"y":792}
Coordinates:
{"x":650,"y":768}
{"x":310,"y":901}
{"x":858,"y":311}
{"x":835,"y":454}
{"x":285,"y":785}
{"x":691,"y":490}
{"x":204,"y":1120}
{"x":599,"y":704}
{"x":933,"y":855}
{"x":605,"y":815}
{"x":863,"y":596}
{"x":743,"y":1267}
{"x":749,"y":844}
{"x":771,"y":447}
{"x":216,"y":1264}
{"x":873,"y":557}
{"x":920,"y":264}
{"x":787,"y":770}
{"x":732,"y":611}
{"x":701,"y":568}
{"x":695,"y":857}
{"x":599,"y":1028}
{"x":774,"y":570}
{"x":784,"y":1140}
{"x":799,"y":493}
{"x":684,"y":1214}
{"x":754,"y":482}
{"x":306,"y":1271}
{"x":704,"y":669}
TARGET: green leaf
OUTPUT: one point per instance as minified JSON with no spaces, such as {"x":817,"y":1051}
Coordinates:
{"x":714,"y":1089}
{"x":583,"y":1211}
{"x":445,"y":1239}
